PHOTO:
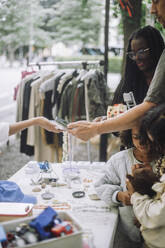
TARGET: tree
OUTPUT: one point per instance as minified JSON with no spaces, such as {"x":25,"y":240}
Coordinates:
{"x":20,"y":22}
{"x":130,"y":24}
{"x":76,"y":22}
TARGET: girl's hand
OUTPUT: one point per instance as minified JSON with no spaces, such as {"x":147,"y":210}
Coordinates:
{"x":124,"y":197}
{"x":130,"y":187}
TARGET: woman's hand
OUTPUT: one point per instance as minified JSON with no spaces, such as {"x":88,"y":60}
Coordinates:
{"x":36,"y":121}
{"x":124,"y":197}
{"x":47,"y":124}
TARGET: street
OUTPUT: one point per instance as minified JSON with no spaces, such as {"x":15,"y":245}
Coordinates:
{"x":9,"y":79}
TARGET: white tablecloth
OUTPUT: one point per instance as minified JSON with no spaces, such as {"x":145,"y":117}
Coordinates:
{"x":94,"y":215}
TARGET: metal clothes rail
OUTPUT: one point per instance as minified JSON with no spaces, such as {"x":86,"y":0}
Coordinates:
{"x":84,"y":64}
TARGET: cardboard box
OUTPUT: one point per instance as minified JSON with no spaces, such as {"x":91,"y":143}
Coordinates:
{"x":68,"y":241}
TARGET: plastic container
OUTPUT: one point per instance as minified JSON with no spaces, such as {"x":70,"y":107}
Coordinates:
{"x":68,"y":241}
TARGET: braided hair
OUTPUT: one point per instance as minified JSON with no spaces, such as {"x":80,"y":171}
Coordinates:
{"x":134,"y":79}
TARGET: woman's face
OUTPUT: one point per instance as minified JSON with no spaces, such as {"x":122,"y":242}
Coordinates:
{"x":143,"y":58}
{"x":136,"y":141}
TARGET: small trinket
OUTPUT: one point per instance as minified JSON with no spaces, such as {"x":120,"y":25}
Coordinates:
{"x":19,"y":241}
{"x":30,"y":237}
{"x":47,"y":195}
{"x":53,"y":184}
{"x":94,"y":197}
{"x":43,"y":185}
{"x":78,"y":194}
{"x":36,"y":189}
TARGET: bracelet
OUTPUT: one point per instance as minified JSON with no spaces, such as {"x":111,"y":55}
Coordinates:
{"x":78,"y":194}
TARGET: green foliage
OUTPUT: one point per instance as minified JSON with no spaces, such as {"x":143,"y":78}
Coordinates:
{"x":115,"y":64}
{"x":21,"y":21}
{"x":77,"y":22}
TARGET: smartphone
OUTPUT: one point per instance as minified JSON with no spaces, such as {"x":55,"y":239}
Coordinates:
{"x":129,"y":99}
{"x":61,"y":123}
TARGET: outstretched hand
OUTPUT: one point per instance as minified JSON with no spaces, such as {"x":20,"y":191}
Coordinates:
{"x":48,"y":125}
{"x":83,"y":129}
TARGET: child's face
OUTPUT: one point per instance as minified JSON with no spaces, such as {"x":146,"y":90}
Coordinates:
{"x":140,"y":170}
{"x":135,"y":138}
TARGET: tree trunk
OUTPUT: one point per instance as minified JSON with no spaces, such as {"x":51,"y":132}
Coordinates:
{"x":104,"y":137}
{"x":130,"y":24}
{"x":11,"y":55}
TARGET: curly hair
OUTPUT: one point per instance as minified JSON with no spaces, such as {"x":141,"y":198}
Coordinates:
{"x":153,"y":124}
{"x":127,"y":142}
{"x":142,"y":181}
{"x":126,"y":139}
{"x":134,"y":79}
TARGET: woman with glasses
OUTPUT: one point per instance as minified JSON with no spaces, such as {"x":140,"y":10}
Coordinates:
{"x":144,"y":50}
{"x":155,"y":95}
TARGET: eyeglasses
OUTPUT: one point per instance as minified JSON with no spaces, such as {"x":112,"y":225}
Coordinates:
{"x":140,"y":53}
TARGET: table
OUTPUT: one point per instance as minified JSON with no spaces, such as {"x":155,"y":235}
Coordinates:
{"x":98,"y":221}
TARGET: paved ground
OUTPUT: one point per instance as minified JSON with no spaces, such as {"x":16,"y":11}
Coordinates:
{"x":11,"y":159}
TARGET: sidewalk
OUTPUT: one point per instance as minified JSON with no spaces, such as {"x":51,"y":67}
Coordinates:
{"x":11,"y":159}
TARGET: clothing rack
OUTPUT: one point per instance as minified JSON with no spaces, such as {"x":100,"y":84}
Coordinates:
{"x":83,"y":64}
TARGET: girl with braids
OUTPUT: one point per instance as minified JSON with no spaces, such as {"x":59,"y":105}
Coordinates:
{"x":144,"y":50}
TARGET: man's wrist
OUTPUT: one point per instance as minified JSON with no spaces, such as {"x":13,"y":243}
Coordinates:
{"x":99,"y":127}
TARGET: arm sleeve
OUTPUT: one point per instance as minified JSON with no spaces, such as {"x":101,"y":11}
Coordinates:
{"x":109,"y":185}
{"x":4,"y":131}
{"x":156,"y":90}
{"x":149,"y":212}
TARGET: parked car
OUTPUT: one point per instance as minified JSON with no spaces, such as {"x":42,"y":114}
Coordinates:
{"x":116,"y":50}
{"x":91,"y":51}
